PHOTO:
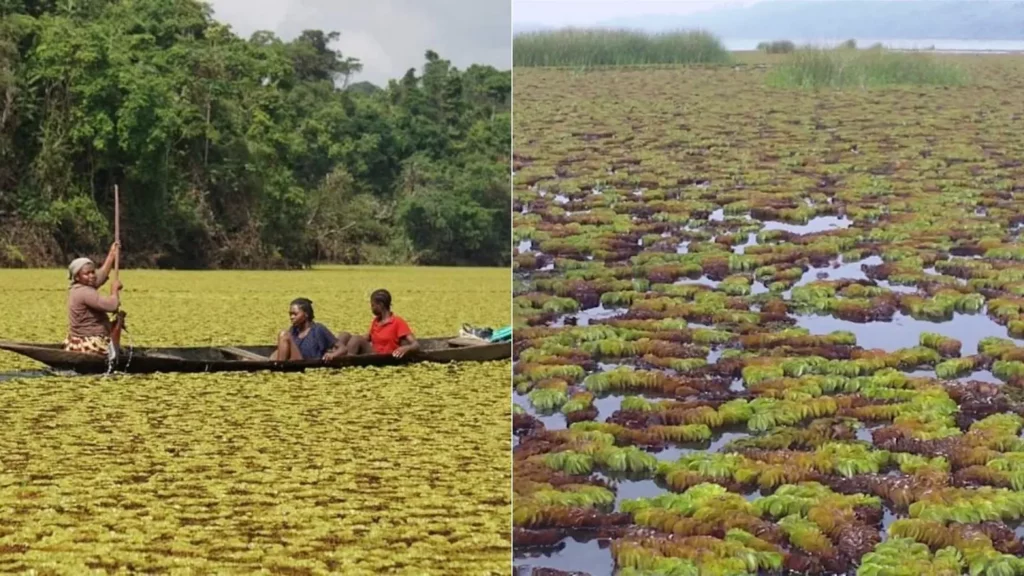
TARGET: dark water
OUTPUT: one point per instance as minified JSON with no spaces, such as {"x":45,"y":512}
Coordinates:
{"x":29,"y":374}
{"x":718,"y":441}
{"x":585,"y":317}
{"x":634,"y":489}
{"x":846,"y":271}
{"x":980,"y":376}
{"x":571,"y":555}
{"x":555,"y":421}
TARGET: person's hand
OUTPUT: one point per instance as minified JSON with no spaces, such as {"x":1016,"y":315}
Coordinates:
{"x":115,"y":247}
{"x":400,"y":352}
{"x":118,"y":286}
{"x":329,"y":356}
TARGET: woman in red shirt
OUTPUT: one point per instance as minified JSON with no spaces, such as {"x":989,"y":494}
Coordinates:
{"x":389,"y":334}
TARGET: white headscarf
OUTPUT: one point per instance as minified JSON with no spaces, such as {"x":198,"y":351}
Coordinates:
{"x":76,"y":266}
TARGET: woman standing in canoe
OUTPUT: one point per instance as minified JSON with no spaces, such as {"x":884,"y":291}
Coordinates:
{"x":306,"y":339}
{"x":89,"y":326}
{"x":389,"y":334}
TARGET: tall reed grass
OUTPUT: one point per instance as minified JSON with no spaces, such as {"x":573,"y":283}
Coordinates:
{"x":876,"y":67}
{"x":609,"y":47}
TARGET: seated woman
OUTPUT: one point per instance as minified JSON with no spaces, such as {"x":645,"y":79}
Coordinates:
{"x":306,"y":339}
{"x":89,"y":326}
{"x":389,"y":334}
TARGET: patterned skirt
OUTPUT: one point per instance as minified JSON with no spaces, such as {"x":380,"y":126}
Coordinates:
{"x":97,"y":345}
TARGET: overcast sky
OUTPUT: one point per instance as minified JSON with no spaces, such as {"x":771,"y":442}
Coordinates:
{"x":588,"y":12}
{"x":387,"y":36}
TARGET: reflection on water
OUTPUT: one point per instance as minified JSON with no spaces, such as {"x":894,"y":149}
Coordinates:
{"x":607,"y":406}
{"x":585,"y":317}
{"x":850,"y":271}
{"x":751,"y":241}
{"x":633,"y":489}
{"x":887,"y":519}
{"x":570,"y":555}
{"x":979,"y":376}
{"x":554,"y":421}
{"x":718,"y":441}
{"x":817,"y":224}
{"x":904,"y":331}
{"x":897,"y":288}
{"x":702,"y":281}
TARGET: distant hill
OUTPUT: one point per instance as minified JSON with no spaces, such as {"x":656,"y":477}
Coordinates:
{"x":364,"y":88}
{"x":841,"y":19}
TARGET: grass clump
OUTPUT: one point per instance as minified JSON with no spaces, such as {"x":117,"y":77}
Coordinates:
{"x":777,"y":47}
{"x":611,"y":47}
{"x":877,"y":67}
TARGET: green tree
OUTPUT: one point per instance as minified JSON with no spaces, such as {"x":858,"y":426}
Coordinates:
{"x":234,"y":152}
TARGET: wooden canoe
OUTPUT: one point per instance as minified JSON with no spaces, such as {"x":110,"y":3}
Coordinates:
{"x":247,"y":358}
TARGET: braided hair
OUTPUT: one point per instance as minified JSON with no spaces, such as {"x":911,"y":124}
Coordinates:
{"x":306,"y":305}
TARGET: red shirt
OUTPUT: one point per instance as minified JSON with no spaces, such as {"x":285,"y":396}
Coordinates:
{"x":386,"y":336}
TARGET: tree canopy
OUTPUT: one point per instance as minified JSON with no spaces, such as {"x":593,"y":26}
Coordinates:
{"x":233,"y":152}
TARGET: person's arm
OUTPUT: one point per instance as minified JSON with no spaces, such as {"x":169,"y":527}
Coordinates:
{"x":94,"y":300}
{"x":406,"y":339}
{"x":104,"y":272}
{"x":329,"y":342}
{"x":329,"y":338}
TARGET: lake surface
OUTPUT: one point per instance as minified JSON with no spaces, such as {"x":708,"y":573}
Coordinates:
{"x":965,"y":46}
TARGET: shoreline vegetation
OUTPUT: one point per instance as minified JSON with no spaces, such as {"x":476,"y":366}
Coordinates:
{"x":609,"y":47}
{"x":844,"y":65}
{"x":871,"y":68}
{"x":239,"y":153}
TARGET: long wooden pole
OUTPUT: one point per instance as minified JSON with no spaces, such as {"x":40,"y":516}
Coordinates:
{"x":117,"y":231}
{"x":115,"y":335}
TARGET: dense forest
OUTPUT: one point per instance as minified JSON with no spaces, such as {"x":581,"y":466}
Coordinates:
{"x":238,"y":153}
